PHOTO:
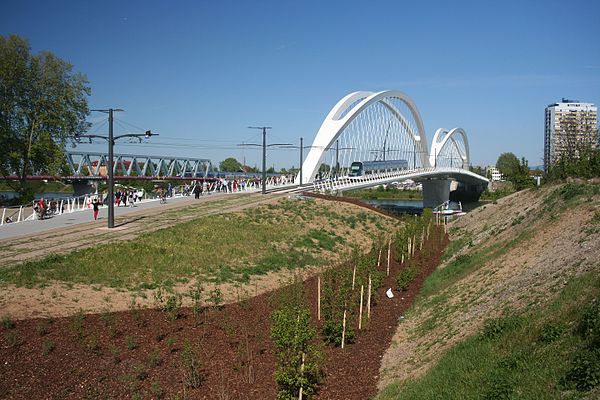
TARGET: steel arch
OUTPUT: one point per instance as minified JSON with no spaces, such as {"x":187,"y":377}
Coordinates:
{"x":345,"y":111}
{"x":442,"y":138}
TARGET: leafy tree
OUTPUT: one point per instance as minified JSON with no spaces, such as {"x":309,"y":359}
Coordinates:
{"x":230,"y":165}
{"x":508,"y":164}
{"x":478,"y":170}
{"x":522,"y":179}
{"x":42,"y":103}
{"x":587,"y":165}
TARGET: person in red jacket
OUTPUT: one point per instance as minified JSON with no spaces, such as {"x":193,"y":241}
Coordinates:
{"x":96,"y":205}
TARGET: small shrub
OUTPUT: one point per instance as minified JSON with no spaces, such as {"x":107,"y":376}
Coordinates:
{"x":406,"y":276}
{"x":584,"y":373}
{"x":589,"y":326}
{"x":173,"y":307}
{"x":156,"y":390}
{"x":7,"y":322}
{"x":139,"y":371}
{"x":517,"y":220}
{"x":196,"y":296}
{"x":154,"y":358}
{"x":48,"y":346}
{"x":551,"y":332}
{"x":498,"y":387}
{"x":171,"y":344}
{"x":191,"y":366}
{"x":91,"y":344}
{"x":332,"y":332}
{"x":12,"y":339}
{"x":131,"y":342}
{"x":77,"y":324}
{"x":216,"y":297}
{"x":107,"y":317}
{"x":41,"y":328}
{"x":495,"y":328}
{"x":298,"y":363}
{"x":116,"y":354}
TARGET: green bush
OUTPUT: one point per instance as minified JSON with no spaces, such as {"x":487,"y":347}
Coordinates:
{"x":7,"y":322}
{"x":551,"y":332}
{"x":584,"y":373}
{"x":332,"y":332}
{"x":298,"y":361}
{"x":406,"y":276}
{"x":589,"y":326}
{"x":496,"y":328}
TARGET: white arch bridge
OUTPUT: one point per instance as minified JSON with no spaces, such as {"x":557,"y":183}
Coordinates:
{"x":373,"y":138}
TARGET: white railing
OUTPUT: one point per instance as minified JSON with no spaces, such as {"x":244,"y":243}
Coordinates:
{"x":346,"y":182}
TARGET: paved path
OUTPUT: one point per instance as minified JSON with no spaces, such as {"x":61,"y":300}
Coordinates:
{"x":29,"y":228}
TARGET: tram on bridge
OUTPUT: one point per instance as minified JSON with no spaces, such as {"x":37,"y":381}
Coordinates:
{"x":362,"y":168}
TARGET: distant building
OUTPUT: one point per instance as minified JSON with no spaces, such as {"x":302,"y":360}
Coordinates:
{"x":570,"y":128}
{"x":494,"y":174}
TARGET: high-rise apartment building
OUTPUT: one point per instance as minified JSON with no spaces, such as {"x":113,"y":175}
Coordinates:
{"x":570,"y":128}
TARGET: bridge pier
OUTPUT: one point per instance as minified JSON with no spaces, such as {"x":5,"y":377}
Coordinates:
{"x":435,"y":192}
{"x":468,"y":192}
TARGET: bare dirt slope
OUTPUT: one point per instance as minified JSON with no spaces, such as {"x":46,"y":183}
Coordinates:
{"x":525,"y":246}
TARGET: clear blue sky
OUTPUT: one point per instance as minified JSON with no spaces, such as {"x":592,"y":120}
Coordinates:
{"x":200,"y":72}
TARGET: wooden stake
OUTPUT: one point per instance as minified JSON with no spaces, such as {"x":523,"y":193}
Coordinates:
{"x":344,"y":329}
{"x":402,"y":259}
{"x":388,"y":258}
{"x":379,"y":258}
{"x":302,"y":373}
{"x":362,"y":290}
{"x":408,"y":249}
{"x":414,"y":244}
{"x":353,"y":277}
{"x":369,"y":299}
{"x":319,"y":297}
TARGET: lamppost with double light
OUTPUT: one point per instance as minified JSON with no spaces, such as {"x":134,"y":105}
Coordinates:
{"x":264,"y":152}
{"x":111,"y":142}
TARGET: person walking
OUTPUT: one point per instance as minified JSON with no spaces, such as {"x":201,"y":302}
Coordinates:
{"x":96,"y":205}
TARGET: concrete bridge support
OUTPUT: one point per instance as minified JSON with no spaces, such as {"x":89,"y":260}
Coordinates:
{"x":468,"y":192}
{"x":435,"y":192}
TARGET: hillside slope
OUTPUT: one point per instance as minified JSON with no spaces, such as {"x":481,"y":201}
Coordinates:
{"x":515,"y":255}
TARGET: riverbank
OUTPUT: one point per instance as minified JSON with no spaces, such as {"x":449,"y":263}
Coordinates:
{"x":499,"y":318}
{"x":389,"y":192}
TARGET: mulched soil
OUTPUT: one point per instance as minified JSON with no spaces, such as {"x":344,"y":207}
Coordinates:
{"x":141,"y":352}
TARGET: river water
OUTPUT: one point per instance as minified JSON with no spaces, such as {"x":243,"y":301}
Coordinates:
{"x":396,"y":206}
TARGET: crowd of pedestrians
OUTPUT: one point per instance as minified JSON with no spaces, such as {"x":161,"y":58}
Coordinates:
{"x":128,"y":197}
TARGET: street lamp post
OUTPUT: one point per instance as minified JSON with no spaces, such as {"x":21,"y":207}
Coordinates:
{"x":110,"y":164}
{"x":111,"y":176}
{"x":301,"y":159}
{"x":264,"y":155}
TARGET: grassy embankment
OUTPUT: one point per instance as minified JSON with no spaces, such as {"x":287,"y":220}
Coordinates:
{"x":218,"y":248}
{"x":541,"y":341}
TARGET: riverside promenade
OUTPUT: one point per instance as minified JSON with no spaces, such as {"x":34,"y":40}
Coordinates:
{"x":65,"y":220}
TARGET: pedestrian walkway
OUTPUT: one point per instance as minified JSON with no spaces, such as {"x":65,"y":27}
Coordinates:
{"x":32,"y":227}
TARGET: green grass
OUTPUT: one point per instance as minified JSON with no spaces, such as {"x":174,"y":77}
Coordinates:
{"x":525,"y":355}
{"x":218,"y":248}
